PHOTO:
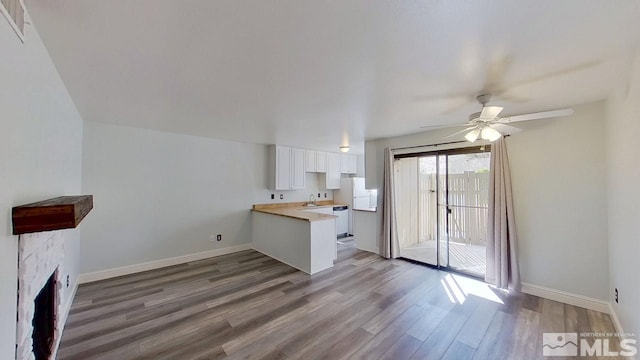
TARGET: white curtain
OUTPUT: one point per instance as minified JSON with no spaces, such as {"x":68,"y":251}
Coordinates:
{"x":389,"y":247}
{"x":502,"y":254}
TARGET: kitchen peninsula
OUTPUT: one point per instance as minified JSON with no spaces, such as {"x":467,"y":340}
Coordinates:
{"x":301,"y":236}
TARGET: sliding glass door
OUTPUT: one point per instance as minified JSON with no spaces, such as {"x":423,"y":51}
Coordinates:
{"x":441,"y":208}
{"x":416,"y":190}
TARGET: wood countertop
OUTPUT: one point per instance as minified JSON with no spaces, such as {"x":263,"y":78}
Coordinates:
{"x":297,"y":210}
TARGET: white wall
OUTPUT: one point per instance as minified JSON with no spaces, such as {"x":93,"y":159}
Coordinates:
{"x":558,"y":170}
{"x":559,"y":190}
{"x":159,"y":195}
{"x":40,"y":156}
{"x":365,"y":231}
{"x":623,"y":170}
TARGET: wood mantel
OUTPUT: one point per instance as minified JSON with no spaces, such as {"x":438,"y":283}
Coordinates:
{"x":64,"y":212}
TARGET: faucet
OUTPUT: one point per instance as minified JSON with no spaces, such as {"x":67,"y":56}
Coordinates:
{"x":312,"y":199}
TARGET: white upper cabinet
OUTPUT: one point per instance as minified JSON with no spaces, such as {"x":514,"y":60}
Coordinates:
{"x":321,"y":161}
{"x":310,"y":162}
{"x":348,"y":164}
{"x":332,"y":176}
{"x":353,"y":164}
{"x":315,"y":161}
{"x":286,"y":167}
{"x":280,"y":167}
{"x":297,"y":168}
{"x":344,"y":163}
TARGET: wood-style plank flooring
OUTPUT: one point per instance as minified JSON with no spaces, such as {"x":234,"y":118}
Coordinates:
{"x":247,"y":305}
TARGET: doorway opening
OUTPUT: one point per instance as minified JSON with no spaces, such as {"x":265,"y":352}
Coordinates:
{"x":442,"y":208}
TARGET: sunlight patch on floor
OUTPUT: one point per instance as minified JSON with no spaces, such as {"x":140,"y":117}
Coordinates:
{"x":458,"y":288}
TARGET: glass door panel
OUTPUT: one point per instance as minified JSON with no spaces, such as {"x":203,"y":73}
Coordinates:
{"x":407,"y":208}
{"x":415,"y":190}
{"x":468,"y":180}
{"x":441,"y":209}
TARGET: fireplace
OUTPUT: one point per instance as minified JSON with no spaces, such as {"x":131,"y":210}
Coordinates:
{"x":41,"y":311}
{"x":44,"y":320}
{"x":43,"y":281}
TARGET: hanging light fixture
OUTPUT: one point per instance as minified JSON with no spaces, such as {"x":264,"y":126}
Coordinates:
{"x":472,"y":135}
{"x":484,"y":133}
{"x":490,"y":134}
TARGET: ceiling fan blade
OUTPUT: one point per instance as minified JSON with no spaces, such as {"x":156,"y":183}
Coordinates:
{"x":456,"y":108}
{"x":426,"y":98}
{"x":460,"y":132}
{"x":495,"y":73}
{"x":442,"y":126}
{"x":490,"y":112}
{"x":539,"y":115}
{"x":506,"y":129}
{"x":556,"y":73}
{"x":511,"y":98}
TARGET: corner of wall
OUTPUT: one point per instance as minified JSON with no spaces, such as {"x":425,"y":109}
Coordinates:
{"x":623,"y":195}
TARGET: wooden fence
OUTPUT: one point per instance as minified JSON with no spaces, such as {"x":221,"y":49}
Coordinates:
{"x":468,"y":199}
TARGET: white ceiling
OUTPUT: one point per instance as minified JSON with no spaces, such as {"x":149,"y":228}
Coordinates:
{"x":325,"y":73}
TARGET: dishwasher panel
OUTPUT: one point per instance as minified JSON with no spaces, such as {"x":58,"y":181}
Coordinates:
{"x":342,"y":222}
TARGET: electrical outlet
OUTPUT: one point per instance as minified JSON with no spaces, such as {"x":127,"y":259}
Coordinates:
{"x":67,"y":280}
{"x":318,"y":195}
{"x":616,"y":298}
{"x":273,"y":196}
{"x":219,"y":237}
{"x":325,"y":195}
{"x":212,"y":238}
{"x":281,"y":196}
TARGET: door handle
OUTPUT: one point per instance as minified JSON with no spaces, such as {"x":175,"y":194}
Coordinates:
{"x":449,"y":211}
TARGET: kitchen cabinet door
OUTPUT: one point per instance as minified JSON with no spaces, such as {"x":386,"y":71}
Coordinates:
{"x":282,"y":168}
{"x":332,"y":177}
{"x":352,"y":164}
{"x":321,"y":161}
{"x":344,"y":163}
{"x":310,"y":163}
{"x":297,"y":168}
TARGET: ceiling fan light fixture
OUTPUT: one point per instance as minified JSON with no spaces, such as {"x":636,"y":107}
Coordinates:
{"x":472,"y":135}
{"x":490,"y":134}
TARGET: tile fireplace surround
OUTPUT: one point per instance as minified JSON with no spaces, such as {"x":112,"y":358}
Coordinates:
{"x":39,"y":256}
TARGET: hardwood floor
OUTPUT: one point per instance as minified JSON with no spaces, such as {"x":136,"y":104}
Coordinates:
{"x":247,"y":305}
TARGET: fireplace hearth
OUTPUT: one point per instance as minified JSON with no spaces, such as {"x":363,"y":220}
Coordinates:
{"x":44,"y":320}
{"x":41,"y":306}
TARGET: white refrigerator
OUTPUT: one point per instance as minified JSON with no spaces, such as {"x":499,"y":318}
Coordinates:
{"x":353,"y":194}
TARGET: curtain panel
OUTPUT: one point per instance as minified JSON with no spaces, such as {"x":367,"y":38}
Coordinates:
{"x":502,"y":255}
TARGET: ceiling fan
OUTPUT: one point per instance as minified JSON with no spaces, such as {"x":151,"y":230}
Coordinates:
{"x":488,"y":126}
{"x":496,"y":84}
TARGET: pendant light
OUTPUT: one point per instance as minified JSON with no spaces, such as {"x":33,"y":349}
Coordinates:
{"x":490,"y":134}
{"x":472,"y":135}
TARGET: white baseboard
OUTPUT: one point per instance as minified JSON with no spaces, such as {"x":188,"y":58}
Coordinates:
{"x":369,"y":249}
{"x":67,"y":306}
{"x":615,"y":319}
{"x":156,"y":264}
{"x":567,"y":298}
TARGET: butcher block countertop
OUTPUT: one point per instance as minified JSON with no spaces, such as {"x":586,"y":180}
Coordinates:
{"x":296,"y":210}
